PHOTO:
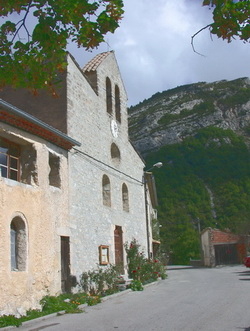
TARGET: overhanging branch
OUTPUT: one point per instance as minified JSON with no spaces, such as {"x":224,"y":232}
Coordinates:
{"x":193,"y":36}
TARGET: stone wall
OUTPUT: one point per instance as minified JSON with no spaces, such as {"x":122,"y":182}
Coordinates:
{"x":42,"y":210}
{"x":212,"y":238}
{"x":92,"y":222}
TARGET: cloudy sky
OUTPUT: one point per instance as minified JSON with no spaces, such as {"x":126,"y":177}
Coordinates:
{"x":154,"y":53}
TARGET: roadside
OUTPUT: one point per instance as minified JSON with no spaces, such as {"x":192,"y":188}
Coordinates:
{"x":191,"y":299}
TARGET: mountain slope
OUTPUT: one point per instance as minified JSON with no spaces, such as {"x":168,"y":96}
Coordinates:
{"x":200,"y":132}
{"x":170,"y":116}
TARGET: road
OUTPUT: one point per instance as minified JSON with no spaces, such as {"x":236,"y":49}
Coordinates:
{"x":191,"y":299}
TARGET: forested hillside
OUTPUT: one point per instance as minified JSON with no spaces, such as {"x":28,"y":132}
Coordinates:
{"x":204,"y":181}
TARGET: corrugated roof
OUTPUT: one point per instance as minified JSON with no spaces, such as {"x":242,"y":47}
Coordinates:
{"x":95,"y":62}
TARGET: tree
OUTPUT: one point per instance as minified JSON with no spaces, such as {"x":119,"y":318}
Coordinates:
{"x":35,"y":59}
{"x":231,"y":19}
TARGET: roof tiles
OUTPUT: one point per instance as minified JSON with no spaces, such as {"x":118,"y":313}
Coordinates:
{"x":95,"y":62}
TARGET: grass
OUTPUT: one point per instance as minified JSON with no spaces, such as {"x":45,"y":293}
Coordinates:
{"x":50,"y":304}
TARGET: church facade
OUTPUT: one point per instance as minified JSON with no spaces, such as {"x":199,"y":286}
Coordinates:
{"x":100,"y":203}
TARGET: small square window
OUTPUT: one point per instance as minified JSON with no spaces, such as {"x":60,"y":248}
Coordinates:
{"x":104,"y":254}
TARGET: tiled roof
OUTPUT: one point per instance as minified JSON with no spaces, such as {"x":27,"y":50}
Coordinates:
{"x":95,"y":62}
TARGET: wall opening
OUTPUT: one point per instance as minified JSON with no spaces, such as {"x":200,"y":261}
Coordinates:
{"x":118,"y":240}
{"x":65,"y":265}
{"x":115,"y":153}
{"x":108,"y":96}
{"x":125,"y":198}
{"x":117,"y":104}
{"x":18,"y":162}
{"x":106,"y":192}
{"x":18,"y":244}
{"x":54,"y":174}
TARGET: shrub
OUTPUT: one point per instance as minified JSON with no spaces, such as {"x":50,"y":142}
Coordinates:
{"x":140,"y":268}
{"x":100,"y":281}
{"x":136,"y":285}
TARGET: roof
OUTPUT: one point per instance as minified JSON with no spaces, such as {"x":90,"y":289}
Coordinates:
{"x":150,"y":180}
{"x":18,"y":118}
{"x":93,"y":64}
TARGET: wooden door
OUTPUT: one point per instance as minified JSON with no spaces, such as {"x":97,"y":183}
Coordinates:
{"x":118,"y":238}
{"x":65,"y":265}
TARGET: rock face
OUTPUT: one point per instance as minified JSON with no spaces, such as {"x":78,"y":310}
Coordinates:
{"x":170,"y":116}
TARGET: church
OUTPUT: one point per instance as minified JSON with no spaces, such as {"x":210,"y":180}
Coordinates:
{"x":73,"y":188}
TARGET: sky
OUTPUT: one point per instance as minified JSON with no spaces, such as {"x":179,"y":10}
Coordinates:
{"x":154,"y":53}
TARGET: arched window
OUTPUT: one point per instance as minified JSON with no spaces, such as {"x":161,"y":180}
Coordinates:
{"x":117,"y":104}
{"x":125,"y":200}
{"x":115,"y":153}
{"x":108,"y":96}
{"x":18,"y":247}
{"x":106,"y":194}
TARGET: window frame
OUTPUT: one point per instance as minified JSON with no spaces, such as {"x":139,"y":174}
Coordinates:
{"x":104,"y":254}
{"x":9,"y":157}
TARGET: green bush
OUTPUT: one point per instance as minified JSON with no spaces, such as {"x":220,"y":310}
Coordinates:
{"x":100,"y":281}
{"x":140,"y":268}
{"x":136,"y":285}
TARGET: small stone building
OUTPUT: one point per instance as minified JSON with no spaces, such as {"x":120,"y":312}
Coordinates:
{"x":101,"y":200}
{"x":222,"y":247}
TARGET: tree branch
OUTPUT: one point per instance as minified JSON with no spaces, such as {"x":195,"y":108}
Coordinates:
{"x":192,"y":38}
{"x":22,"y":21}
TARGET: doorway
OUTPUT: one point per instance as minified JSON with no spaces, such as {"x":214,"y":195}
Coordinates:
{"x":65,"y":265}
{"x":118,"y":238}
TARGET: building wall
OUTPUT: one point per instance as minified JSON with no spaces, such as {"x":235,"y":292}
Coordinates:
{"x":212,"y":238}
{"x":49,"y":109}
{"x":93,"y":223}
{"x":44,"y":210}
{"x":76,"y":209}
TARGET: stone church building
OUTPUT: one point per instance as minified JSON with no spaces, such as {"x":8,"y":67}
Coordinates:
{"x":73,"y":188}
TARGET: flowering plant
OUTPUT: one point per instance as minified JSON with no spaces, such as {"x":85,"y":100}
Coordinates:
{"x":140,"y":268}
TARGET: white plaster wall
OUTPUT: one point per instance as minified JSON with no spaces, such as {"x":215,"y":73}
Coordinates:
{"x":92,"y":223}
{"x":45,"y":210}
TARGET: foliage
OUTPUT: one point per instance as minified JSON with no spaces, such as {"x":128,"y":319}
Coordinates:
{"x":101,"y":280}
{"x":231,"y":19}
{"x":205,"y":181}
{"x":51,"y":304}
{"x":136,"y":285}
{"x":7,"y":320}
{"x":140,"y":268}
{"x":36,"y":59}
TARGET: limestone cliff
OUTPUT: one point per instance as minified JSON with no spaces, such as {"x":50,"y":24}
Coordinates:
{"x":170,"y":116}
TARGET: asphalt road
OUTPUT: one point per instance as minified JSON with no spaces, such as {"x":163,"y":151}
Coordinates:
{"x":189,"y":300}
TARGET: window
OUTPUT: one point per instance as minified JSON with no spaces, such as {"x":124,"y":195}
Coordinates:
{"x":117,"y":104}
{"x":54,"y":174}
{"x":9,"y":159}
{"x":125,"y":200}
{"x":18,"y":161}
{"x":18,"y":244}
{"x":115,"y":153}
{"x":108,"y":96}
{"x":106,"y":194}
{"x":104,"y":254}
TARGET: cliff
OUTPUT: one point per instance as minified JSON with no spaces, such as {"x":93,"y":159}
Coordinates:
{"x":171,"y":116}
